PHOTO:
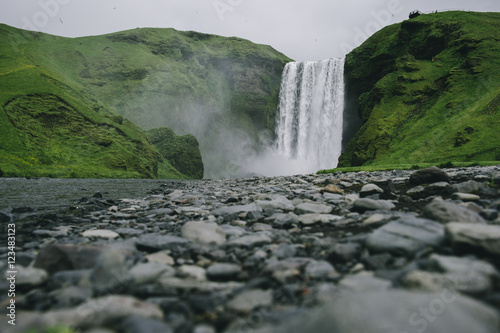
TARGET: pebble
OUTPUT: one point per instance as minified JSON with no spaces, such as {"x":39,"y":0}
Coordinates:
{"x":303,"y":253}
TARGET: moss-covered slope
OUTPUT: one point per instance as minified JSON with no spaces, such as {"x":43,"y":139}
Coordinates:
{"x":52,"y":126}
{"x":427,"y":90}
{"x":222,"y":90}
{"x":182,"y":151}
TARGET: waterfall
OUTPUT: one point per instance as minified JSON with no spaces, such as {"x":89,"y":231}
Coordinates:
{"x":309,"y":124}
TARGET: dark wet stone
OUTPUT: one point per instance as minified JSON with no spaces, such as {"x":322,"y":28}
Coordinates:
{"x":59,"y":257}
{"x":20,"y":210}
{"x":223,"y":272}
{"x":428,"y":175}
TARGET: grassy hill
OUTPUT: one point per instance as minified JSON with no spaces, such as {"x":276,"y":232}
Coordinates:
{"x":427,"y":91}
{"x":78,"y":106}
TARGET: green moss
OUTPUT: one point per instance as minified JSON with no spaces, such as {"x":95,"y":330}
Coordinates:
{"x":182,"y":151}
{"x":427,"y":91}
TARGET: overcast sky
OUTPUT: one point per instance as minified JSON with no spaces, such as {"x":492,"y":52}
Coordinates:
{"x":301,"y":29}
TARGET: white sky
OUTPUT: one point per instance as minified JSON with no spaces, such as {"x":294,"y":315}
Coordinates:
{"x":301,"y":29}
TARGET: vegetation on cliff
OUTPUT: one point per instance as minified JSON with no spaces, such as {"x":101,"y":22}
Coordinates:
{"x":222,"y":90}
{"x":427,"y":90}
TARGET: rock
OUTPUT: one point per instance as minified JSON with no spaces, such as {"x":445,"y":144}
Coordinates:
{"x":320,"y":270}
{"x":129,"y":231}
{"x":465,"y":196}
{"x":364,"y":204}
{"x":148,"y":272}
{"x":308,"y":219}
{"x":284,"y":251}
{"x":364,"y":282}
{"x":99,"y":233}
{"x":236,"y":209}
{"x":470,"y":186}
{"x":203,"y":232}
{"x":104,"y":311}
{"x":70,"y":296}
{"x":479,"y":236}
{"x":29,"y":277}
{"x":161,"y":257}
{"x":109,"y":274}
{"x":22,"y":210}
{"x":463,"y":265}
{"x":446,"y":211}
{"x":63,"y":279}
{"x":345,"y":252}
{"x":223,"y":272}
{"x":59,"y":257}
{"x":406,"y":236}
{"x":331,"y":188}
{"x":428,"y":175}
{"x":192,"y":284}
{"x":192,"y":272}
{"x":249,"y":241}
{"x":5,"y":218}
{"x":248,"y":300}
{"x":466,"y":282}
{"x":314,"y":208}
{"x":154,"y":242}
{"x":277,"y":202}
{"x":389,"y":311}
{"x":370,"y":189}
{"x":137,"y":324}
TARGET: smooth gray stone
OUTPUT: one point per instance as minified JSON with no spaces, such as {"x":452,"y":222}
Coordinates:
{"x":226,"y":210}
{"x":446,"y":211}
{"x":390,"y":311}
{"x":203,"y":232}
{"x":406,"y":235}
{"x":486,"y":237}
{"x":365,"y":204}
{"x":249,"y":241}
{"x":312,"y":208}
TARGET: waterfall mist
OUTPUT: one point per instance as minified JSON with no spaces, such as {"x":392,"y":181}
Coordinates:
{"x":310,"y":120}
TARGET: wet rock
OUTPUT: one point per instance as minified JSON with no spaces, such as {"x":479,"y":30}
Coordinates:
{"x":446,"y":211}
{"x":137,"y":324}
{"x":407,"y":235}
{"x":428,"y":175}
{"x":203,"y":232}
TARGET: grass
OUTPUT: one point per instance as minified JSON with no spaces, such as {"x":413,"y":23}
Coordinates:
{"x":416,"y":166}
{"x":186,"y":81}
{"x":428,"y":91}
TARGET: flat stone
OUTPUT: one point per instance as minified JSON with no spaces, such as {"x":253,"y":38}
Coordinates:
{"x":446,"y":211}
{"x":100,"y":233}
{"x":364,"y":204}
{"x":154,"y":242}
{"x":315,"y":208}
{"x":470,"y":186}
{"x":320,"y":270}
{"x":277,"y":202}
{"x":162,"y":257}
{"x":248,"y":300}
{"x":192,"y":272}
{"x":370,"y":189}
{"x":203,"y":232}
{"x":129,"y":231}
{"x":388,"y":311}
{"x":331,"y":188}
{"x":236,"y":209}
{"x":482,"y":236}
{"x":472,"y":283}
{"x":148,"y":272}
{"x":312,"y":218}
{"x":193,"y":284}
{"x":137,"y":324}
{"x":223,"y":272}
{"x":465,"y":196}
{"x":407,"y":235}
{"x":450,"y":264}
{"x":29,"y":276}
{"x":249,"y":241}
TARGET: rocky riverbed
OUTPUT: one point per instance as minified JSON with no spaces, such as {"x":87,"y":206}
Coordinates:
{"x":390,"y":251}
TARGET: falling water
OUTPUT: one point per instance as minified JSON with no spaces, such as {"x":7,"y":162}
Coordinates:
{"x":309,"y":127}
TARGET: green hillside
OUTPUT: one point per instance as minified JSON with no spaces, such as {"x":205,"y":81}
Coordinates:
{"x":427,"y":90}
{"x":78,"y":106}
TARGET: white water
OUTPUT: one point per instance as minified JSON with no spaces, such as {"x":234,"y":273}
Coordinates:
{"x":309,"y":128}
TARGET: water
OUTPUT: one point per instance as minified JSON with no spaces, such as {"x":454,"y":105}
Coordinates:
{"x":310,"y":115}
{"x":53,"y":194}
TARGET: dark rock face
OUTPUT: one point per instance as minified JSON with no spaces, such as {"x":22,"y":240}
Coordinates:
{"x":285,"y":256}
